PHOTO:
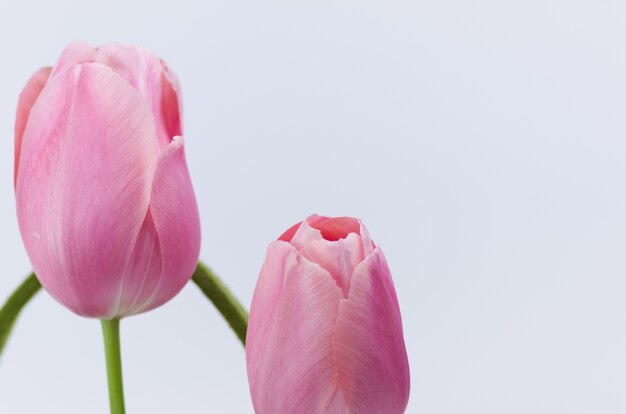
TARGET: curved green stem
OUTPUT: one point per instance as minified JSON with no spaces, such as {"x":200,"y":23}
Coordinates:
{"x":13,"y":306}
{"x":230,"y":308}
{"x":111,"y":334}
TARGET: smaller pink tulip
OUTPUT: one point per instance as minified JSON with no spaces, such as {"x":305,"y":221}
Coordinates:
{"x":325,"y":332}
{"x":104,"y":200}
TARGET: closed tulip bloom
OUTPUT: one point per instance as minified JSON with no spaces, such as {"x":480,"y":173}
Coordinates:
{"x":325,"y":332}
{"x":104,"y":199}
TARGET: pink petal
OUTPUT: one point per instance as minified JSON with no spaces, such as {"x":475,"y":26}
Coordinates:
{"x":149,"y":75}
{"x":304,"y":235}
{"x":339,"y":258}
{"x":373,"y":369}
{"x":74,"y":54}
{"x":289,"y":348}
{"x":338,"y":255}
{"x":176,"y":219}
{"x":290,"y":232}
{"x":368,"y":244}
{"x":83,"y":187}
{"x":331,"y":229}
{"x":337,"y":228}
{"x":27,"y":99}
{"x":171,"y":103}
{"x":142,"y":273}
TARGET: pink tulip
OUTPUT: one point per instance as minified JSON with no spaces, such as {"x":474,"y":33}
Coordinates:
{"x":325,"y":332}
{"x":104,"y":200}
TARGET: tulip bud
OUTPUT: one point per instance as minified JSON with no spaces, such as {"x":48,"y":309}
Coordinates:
{"x":104,"y":199}
{"x":325,"y":332}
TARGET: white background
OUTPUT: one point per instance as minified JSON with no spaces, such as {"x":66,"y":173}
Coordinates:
{"x":483,"y":143}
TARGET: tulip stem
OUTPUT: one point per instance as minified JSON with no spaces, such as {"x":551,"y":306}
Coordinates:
{"x":225,"y":302}
{"x":13,"y":306}
{"x":111,"y":333}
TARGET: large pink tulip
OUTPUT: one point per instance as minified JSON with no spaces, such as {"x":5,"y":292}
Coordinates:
{"x":104,"y":200}
{"x":325,"y":333}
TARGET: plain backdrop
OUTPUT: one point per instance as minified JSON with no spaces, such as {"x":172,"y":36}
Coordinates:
{"x":483,"y":143}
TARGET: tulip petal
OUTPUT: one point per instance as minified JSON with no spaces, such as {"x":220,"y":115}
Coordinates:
{"x":176,"y":219}
{"x":149,"y":75}
{"x":370,"y":353}
{"x":290,"y":232}
{"x":337,"y":228}
{"x":74,"y":54}
{"x":339,"y":251}
{"x":171,"y":122}
{"x":339,"y":258}
{"x":168,"y":245}
{"x":289,"y":351}
{"x":27,"y":99}
{"x":84,"y":184}
{"x":142,"y":274}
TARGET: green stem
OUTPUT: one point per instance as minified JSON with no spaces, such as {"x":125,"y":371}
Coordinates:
{"x":234,"y":313}
{"x":13,"y":306}
{"x":111,"y":333}
{"x":230,"y":308}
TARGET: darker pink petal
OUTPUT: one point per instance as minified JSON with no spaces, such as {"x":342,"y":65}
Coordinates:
{"x":289,"y":233}
{"x":331,"y":229}
{"x":171,"y":106}
{"x":337,"y":228}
